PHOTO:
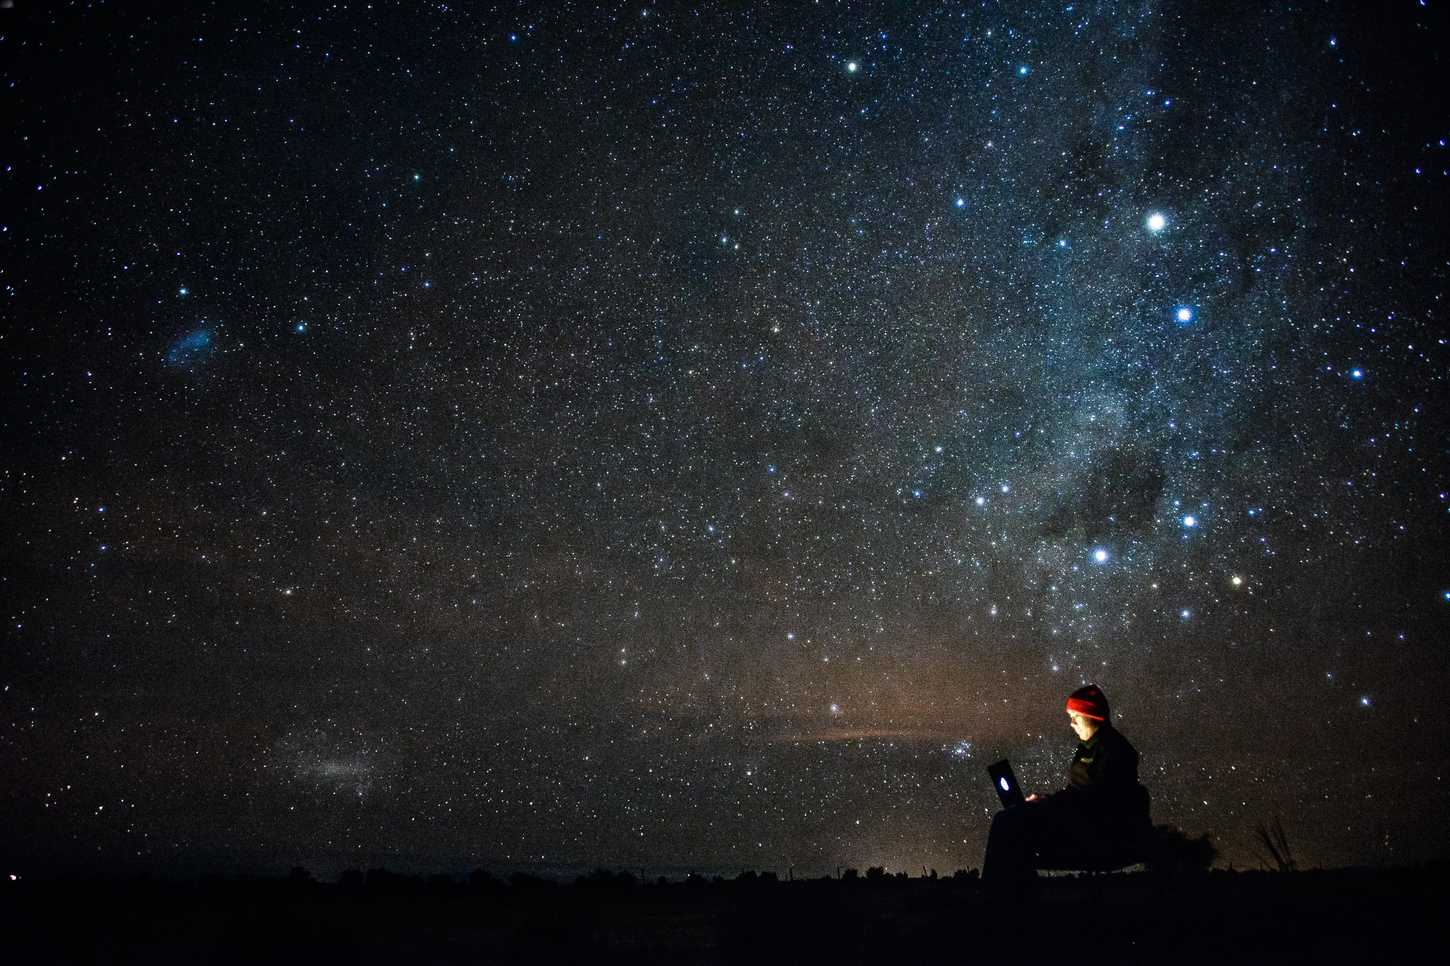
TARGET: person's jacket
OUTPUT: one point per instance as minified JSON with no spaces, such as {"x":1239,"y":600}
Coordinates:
{"x":1103,"y":782}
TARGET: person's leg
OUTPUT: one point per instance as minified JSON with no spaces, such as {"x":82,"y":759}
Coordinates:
{"x":1068,"y":839}
{"x":1009,"y":848}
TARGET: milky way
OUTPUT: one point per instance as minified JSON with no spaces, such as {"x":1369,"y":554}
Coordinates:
{"x":674,"y":438}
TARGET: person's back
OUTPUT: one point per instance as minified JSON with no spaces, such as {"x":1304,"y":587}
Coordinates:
{"x":1103,"y":783}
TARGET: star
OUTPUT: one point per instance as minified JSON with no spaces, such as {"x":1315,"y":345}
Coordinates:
{"x":1156,"y":221}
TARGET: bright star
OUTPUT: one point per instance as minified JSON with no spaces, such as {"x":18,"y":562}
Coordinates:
{"x":1190,"y":521}
{"x":1356,"y":373}
{"x":1184,"y":314}
{"x":1156,"y":221}
{"x":1100,"y":554}
{"x":852,"y":66}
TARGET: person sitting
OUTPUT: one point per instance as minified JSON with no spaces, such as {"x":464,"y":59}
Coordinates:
{"x":1099,"y":821}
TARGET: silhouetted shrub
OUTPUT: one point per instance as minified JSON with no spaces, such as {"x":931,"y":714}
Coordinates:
{"x":525,"y":881}
{"x":385,"y":880}
{"x":1277,"y":854}
{"x":482,"y":879}
{"x":352,"y":880}
{"x":1173,"y":852}
{"x":875,"y":874}
{"x":850,"y":875}
{"x":607,"y":879}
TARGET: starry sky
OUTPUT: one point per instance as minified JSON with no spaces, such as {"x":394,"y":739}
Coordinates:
{"x":704,"y":436}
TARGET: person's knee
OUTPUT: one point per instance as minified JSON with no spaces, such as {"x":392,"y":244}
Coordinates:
{"x":1009,"y":821}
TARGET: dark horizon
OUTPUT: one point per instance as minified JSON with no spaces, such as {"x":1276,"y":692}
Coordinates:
{"x":649,"y":437}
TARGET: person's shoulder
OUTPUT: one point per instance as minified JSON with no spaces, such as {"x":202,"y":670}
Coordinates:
{"x":1116,"y":737}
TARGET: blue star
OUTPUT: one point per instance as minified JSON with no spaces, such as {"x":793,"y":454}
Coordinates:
{"x":1156,"y":221}
{"x":1356,"y":374}
{"x":1190,"y":521}
{"x":1183,"y":314}
{"x":1101,"y":555}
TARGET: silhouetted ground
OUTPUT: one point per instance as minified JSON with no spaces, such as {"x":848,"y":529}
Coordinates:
{"x":1310,"y":917}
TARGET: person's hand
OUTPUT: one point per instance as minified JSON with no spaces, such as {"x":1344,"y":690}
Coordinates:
{"x":1034,"y":797}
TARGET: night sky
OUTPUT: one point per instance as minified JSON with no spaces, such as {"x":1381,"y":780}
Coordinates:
{"x":705,"y":436}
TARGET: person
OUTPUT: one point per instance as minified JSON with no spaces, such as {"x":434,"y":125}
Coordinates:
{"x":1100,"y":820}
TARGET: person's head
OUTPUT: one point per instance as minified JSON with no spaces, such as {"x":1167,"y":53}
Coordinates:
{"x":1087,"y":711}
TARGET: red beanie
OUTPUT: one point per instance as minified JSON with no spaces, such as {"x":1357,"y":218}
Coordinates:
{"x":1090,"y":702}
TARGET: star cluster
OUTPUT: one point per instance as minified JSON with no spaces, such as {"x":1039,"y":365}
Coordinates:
{"x":705,"y":437}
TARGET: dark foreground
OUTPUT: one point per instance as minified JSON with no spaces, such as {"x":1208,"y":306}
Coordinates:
{"x":1314,"y":917}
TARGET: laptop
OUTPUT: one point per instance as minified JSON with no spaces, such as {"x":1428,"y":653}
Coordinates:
{"x":1006,"y":784}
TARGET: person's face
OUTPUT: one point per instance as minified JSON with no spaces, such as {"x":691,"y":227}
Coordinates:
{"x":1082,"y":726}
